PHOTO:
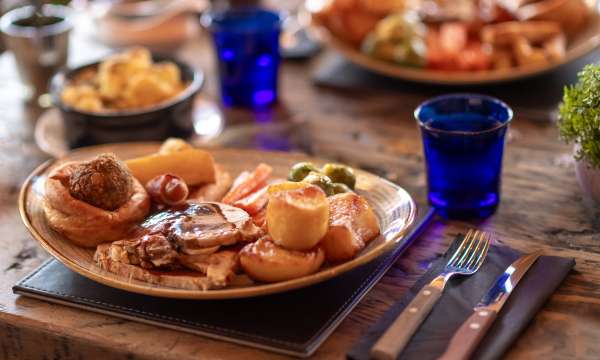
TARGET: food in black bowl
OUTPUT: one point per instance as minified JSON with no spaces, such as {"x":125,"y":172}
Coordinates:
{"x":129,"y":96}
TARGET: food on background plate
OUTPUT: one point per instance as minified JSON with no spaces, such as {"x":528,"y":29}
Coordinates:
{"x":452,"y":35}
{"x":124,"y":81}
{"x":526,"y":42}
{"x":504,"y":34}
{"x":352,"y":20}
{"x":94,"y":201}
{"x":399,"y":38}
{"x":259,"y":229}
{"x":450,"y":47}
{"x":570,"y":14}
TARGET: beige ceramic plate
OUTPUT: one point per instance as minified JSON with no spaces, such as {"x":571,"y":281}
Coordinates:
{"x":393,"y":206}
{"x":580,"y":45}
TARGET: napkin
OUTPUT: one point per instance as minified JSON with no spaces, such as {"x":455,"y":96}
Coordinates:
{"x":462,"y":293}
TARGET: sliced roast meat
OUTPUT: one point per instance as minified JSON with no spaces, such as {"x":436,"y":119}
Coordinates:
{"x":220,"y":267}
{"x":210,"y":271}
{"x":195,"y":262}
{"x":180,"y":239}
{"x":189,"y":280}
{"x":193,"y":227}
{"x":149,"y":251}
{"x":158,"y":250}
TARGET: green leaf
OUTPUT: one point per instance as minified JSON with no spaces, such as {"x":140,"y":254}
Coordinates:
{"x":579,"y":114}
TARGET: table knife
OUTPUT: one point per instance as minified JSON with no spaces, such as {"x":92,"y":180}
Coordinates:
{"x":472,"y":331}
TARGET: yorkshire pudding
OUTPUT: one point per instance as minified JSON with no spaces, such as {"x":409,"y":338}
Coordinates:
{"x":82,"y":216}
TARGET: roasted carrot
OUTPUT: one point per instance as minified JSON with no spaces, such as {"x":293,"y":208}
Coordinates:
{"x":257,"y":179}
{"x":254,"y":202}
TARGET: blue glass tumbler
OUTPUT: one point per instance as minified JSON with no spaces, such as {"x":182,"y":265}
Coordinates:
{"x":247,"y":47}
{"x":463,"y":141}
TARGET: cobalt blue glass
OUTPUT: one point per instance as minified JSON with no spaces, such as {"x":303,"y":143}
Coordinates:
{"x":463,"y":141}
{"x":247,"y":48}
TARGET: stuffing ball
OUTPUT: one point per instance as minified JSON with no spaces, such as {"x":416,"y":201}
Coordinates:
{"x":104,"y":182}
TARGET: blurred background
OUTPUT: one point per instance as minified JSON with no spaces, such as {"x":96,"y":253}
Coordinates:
{"x":323,"y":85}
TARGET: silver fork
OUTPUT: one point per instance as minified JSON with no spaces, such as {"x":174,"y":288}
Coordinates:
{"x":466,"y":260}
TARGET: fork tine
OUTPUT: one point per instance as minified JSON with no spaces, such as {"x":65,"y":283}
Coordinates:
{"x":464,"y":256}
{"x":461,"y":247}
{"x":480,"y":241}
{"x":483,"y":252}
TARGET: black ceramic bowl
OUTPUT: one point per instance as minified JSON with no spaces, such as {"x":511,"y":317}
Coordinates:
{"x":169,"y":118}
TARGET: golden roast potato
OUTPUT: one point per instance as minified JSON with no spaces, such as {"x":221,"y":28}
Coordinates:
{"x":168,"y":73}
{"x":127,"y":80}
{"x":174,"y":144}
{"x":265,"y":261}
{"x":352,"y":224}
{"x":145,"y":89}
{"x":297,"y":215}
{"x":194,"y":166}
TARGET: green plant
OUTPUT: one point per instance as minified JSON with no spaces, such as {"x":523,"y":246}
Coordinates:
{"x":579,"y":115}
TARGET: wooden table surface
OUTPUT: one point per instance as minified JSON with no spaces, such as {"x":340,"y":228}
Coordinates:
{"x":370,"y":127}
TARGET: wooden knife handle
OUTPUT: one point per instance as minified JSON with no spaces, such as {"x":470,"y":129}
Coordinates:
{"x":467,"y":337}
{"x":402,"y":329}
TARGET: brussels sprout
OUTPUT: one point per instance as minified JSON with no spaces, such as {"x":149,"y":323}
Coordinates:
{"x":399,"y":38}
{"x":321,"y":181}
{"x":299,"y":171}
{"x":340,"y":188}
{"x":340,"y":174}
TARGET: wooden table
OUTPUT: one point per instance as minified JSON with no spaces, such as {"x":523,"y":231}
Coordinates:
{"x":541,"y":209}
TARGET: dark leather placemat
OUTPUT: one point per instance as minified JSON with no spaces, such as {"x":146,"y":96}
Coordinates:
{"x":262,"y":322}
{"x":460,"y":296}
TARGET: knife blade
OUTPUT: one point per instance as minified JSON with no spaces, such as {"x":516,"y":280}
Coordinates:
{"x":472,"y":331}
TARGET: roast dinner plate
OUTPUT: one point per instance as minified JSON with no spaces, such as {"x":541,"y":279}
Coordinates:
{"x":581,"y":44}
{"x":393,"y":206}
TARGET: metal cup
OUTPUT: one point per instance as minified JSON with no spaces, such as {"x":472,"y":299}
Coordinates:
{"x":39,"y":51}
